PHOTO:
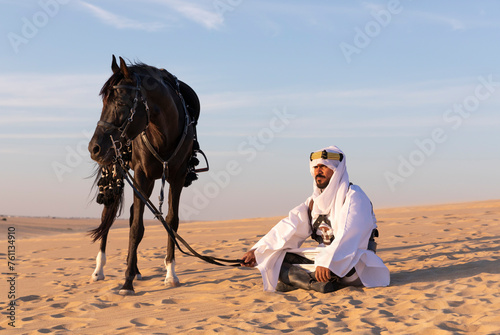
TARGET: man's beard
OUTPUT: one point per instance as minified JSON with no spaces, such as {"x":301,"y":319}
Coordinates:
{"x":321,"y":183}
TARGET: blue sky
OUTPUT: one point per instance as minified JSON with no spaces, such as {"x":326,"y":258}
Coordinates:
{"x":410,"y":90}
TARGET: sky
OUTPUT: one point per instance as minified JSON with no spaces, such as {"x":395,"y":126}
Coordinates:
{"x":409,"y":90}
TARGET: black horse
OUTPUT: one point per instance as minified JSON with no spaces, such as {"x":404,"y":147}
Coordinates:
{"x":147,"y":124}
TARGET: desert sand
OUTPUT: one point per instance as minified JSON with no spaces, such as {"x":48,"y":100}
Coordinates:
{"x":444,"y":262}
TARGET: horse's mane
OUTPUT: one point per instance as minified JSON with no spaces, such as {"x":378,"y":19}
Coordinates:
{"x":112,"y":81}
{"x":137,"y":67}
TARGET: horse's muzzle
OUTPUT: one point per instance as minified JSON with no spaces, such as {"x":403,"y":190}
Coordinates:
{"x":100,"y":149}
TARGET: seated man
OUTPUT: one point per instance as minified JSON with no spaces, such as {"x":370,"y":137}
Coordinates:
{"x":340,"y":217}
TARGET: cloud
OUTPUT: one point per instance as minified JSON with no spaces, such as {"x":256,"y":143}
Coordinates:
{"x":403,"y":110}
{"x":196,"y":12}
{"x":31,"y":119}
{"x":404,"y":97}
{"x":202,"y":13}
{"x":374,"y":7}
{"x":41,"y":136}
{"x":453,"y":23}
{"x":27,"y":90}
{"x":409,"y":110}
{"x":119,"y":22}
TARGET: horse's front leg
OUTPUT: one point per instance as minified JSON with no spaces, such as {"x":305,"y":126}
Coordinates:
{"x":108,"y":216}
{"x":135,"y":235}
{"x":100,"y":260}
{"x":131,"y":221}
{"x":172,"y":219}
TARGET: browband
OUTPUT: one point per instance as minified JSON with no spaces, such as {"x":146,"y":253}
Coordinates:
{"x":326,"y":155}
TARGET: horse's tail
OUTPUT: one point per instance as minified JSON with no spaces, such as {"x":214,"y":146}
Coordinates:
{"x":111,"y":196}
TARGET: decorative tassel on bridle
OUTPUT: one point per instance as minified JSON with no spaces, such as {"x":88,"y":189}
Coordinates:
{"x":111,"y":181}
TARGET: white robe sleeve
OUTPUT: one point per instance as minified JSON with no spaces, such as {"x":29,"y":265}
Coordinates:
{"x":352,"y":230}
{"x":287,"y":234}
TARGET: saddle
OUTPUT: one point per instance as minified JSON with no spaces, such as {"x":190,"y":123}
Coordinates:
{"x":188,"y":94}
{"x":191,"y":104}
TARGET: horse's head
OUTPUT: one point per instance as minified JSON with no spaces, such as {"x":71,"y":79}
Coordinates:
{"x":124,"y":113}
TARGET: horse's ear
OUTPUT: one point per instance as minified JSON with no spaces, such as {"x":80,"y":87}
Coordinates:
{"x":124,"y":68}
{"x":114,"y":65}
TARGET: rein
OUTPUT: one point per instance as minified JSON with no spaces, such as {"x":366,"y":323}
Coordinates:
{"x":159,"y":216}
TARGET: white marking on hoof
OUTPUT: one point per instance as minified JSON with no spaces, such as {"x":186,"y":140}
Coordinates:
{"x":171,"y":282}
{"x":171,"y":279}
{"x":126,"y":292}
{"x":100,"y":261}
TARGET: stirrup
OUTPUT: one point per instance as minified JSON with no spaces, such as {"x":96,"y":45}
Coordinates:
{"x":205,"y":169}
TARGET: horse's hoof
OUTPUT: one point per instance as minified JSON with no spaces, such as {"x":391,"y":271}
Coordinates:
{"x":172,"y":282}
{"x":138,"y":276}
{"x":97,"y":277}
{"x":126,"y":292}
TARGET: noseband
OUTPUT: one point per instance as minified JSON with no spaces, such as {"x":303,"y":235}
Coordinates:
{"x":130,"y":117}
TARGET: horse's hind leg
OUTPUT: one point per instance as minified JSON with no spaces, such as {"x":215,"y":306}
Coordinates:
{"x":172,"y":219}
{"x":100,"y":260}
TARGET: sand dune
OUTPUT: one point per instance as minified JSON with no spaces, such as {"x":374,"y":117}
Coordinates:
{"x":444,"y":262}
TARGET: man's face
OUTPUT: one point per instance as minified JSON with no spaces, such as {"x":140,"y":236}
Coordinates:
{"x":322,"y":175}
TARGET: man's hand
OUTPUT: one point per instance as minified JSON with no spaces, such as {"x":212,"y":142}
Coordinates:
{"x":249,"y":259}
{"x":322,"y":274}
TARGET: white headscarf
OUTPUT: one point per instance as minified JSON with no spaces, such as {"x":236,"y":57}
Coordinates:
{"x":330,"y":200}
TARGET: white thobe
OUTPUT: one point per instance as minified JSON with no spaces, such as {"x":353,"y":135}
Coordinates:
{"x":352,"y":230}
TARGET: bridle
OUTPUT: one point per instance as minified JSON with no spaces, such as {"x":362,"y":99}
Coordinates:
{"x":130,"y":117}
